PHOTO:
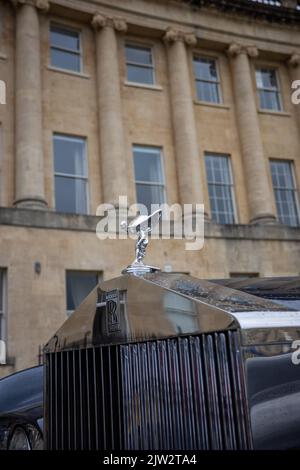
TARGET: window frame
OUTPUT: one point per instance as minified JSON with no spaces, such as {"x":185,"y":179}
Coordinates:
{"x":231,"y":185}
{"x":99,"y":275}
{"x":197,"y":55}
{"x":3,"y":312}
{"x":137,"y":45}
{"x":79,"y":53}
{"x":278,"y":90}
{"x":294,"y":189}
{"x":148,"y":183}
{"x":72,"y":176}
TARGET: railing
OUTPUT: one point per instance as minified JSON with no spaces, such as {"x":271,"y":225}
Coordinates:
{"x":273,"y":3}
{"x":280,"y":3}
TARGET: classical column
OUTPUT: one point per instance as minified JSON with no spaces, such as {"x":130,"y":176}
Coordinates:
{"x":294,"y":66}
{"x":260,"y":196}
{"x":30,"y":191}
{"x":184,"y":125}
{"x":112,"y":148}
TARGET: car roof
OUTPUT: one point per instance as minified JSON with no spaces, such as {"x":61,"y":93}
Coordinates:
{"x":21,"y":391}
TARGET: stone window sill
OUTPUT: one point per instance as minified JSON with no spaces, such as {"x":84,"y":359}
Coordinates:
{"x":212,"y":105}
{"x":274,"y":113}
{"x":68,"y":72}
{"x":144,"y":86}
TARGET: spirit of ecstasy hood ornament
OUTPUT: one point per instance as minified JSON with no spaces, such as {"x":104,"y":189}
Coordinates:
{"x":142,"y":226}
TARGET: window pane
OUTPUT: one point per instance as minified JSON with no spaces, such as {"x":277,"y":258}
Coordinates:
{"x":139,"y":55}
{"x":259,"y":79}
{"x":64,"y":38}
{"x":65,"y":60}
{"x":269,"y":100}
{"x":149,"y":194}
{"x":220,"y":188}
{"x":285,"y":192}
{"x":70,"y":195}
{"x":208,"y":92}
{"x":282,"y":175}
{"x":140,"y":74}
{"x":266,"y":82}
{"x":266,"y":78}
{"x":147,"y":165}
{"x":205,"y":69}
{"x":79,"y":285}
{"x":70,"y":155}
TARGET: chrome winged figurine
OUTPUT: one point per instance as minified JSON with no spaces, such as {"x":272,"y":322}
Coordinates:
{"x":142,"y":226}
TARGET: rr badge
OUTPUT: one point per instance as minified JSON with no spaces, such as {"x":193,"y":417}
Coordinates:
{"x":113,"y":311}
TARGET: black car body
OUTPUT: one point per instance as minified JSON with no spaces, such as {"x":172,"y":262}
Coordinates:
{"x":21,"y":410}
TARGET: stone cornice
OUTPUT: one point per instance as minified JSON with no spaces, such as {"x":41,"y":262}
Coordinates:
{"x":100,"y":21}
{"x":47,"y":219}
{"x":172,"y":35}
{"x":235,"y":49}
{"x":42,"y":5}
{"x":294,"y":60}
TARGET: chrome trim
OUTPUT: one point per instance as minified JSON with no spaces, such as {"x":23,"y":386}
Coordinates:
{"x":270,"y":319}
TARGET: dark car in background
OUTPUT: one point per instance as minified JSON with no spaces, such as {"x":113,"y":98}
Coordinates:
{"x":21,"y":410}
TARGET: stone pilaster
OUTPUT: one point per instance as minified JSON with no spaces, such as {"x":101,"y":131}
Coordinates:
{"x":30,"y":192}
{"x":260,"y":196}
{"x":184,"y":125}
{"x":112,"y":147}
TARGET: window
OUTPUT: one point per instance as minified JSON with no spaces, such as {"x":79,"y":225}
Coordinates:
{"x":149,"y":178}
{"x":79,"y":284}
{"x":65,"y":48}
{"x":207,"y":80}
{"x":220,"y":188}
{"x":285,"y":192}
{"x":2,"y":306}
{"x":70,"y":168}
{"x":139,"y":64}
{"x":268,"y":89}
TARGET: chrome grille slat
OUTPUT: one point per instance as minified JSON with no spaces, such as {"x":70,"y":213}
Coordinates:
{"x":225,"y":393}
{"x":167,"y":435}
{"x":243,"y":420}
{"x":179,"y":393}
{"x":201,"y":427}
{"x":95,"y":393}
{"x":213,"y":410}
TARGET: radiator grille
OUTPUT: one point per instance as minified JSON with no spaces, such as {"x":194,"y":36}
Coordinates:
{"x":181,"y":393}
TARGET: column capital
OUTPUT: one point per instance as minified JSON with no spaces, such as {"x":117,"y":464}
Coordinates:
{"x":236,"y":49}
{"x":294,"y":60}
{"x":173,"y":35}
{"x":100,"y":21}
{"x":42,"y":5}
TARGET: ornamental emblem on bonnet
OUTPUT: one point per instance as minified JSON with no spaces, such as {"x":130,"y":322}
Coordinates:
{"x":141,"y":226}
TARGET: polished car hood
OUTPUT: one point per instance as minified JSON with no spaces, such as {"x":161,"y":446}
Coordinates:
{"x":160,"y":305}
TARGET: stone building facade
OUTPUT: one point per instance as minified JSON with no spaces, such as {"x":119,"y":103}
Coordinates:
{"x":94,"y":88}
